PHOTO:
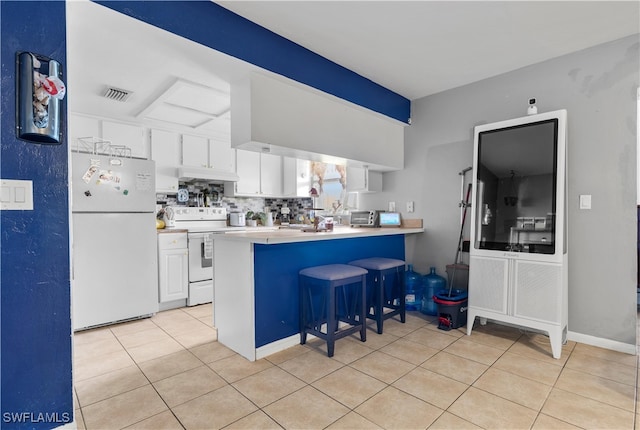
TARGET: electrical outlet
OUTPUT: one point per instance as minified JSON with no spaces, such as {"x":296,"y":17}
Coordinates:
{"x":410,"y":207}
{"x":392,"y":206}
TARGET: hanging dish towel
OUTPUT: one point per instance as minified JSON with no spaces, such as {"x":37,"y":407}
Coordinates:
{"x":208,"y":246}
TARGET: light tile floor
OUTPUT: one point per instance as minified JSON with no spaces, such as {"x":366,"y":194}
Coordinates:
{"x":168,"y":372}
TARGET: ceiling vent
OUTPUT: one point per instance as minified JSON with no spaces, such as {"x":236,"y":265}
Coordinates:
{"x":117,"y":94}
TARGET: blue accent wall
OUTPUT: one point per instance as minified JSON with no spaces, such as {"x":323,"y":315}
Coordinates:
{"x":276,"y":270}
{"x":216,"y":27}
{"x":35,"y":320}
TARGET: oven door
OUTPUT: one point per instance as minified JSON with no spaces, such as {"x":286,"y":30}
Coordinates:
{"x":200,"y":256}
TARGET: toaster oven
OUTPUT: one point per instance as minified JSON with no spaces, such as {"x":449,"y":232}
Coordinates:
{"x":365,"y":218}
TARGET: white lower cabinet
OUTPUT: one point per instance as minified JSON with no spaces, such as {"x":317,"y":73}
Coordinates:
{"x":173,"y":266}
{"x":522,"y":292}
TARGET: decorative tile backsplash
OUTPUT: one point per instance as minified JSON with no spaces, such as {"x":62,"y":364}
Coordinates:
{"x":297,"y":206}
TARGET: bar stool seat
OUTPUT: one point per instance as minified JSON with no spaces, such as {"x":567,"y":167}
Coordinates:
{"x":385,"y":288}
{"x":329,"y":295}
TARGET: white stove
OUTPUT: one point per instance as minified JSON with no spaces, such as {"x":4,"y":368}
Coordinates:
{"x":201,"y":225}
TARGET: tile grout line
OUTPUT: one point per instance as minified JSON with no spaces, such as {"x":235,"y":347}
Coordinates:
{"x":387,"y":385}
{"x":150,"y":383}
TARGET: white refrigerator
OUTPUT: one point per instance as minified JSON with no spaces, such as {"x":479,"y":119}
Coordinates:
{"x":115,"y":267}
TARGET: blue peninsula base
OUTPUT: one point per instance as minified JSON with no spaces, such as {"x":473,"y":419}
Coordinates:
{"x":256,"y":285}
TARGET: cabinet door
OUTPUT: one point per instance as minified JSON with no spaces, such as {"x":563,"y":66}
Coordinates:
{"x":165,"y":148}
{"x":165,"y":151}
{"x":173,"y":276}
{"x":221,"y":155}
{"x":82,"y":126}
{"x":489,"y":283}
{"x":248,"y":169}
{"x":195,"y":151}
{"x":363,"y":180}
{"x":131,"y":136}
{"x":296,"y":177}
{"x":270,"y":175}
{"x":537,"y":291}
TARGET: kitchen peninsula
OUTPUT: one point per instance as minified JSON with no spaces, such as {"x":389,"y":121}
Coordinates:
{"x":256,"y":279}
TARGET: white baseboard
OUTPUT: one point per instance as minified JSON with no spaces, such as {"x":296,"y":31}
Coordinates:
{"x":602,"y":343}
{"x":277,"y":346}
{"x":280,"y":345}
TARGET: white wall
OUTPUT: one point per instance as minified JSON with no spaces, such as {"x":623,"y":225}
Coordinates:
{"x":598,"y":87}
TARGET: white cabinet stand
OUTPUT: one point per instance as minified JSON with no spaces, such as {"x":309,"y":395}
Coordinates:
{"x":518,"y":253}
{"x":520,"y":292}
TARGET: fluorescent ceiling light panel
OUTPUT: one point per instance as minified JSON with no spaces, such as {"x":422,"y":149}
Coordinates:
{"x":177,"y":115}
{"x":188,"y":104}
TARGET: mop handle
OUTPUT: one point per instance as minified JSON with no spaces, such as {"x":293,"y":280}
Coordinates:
{"x":464,"y":217}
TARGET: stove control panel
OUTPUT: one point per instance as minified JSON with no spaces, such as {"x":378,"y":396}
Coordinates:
{"x":184,"y":213}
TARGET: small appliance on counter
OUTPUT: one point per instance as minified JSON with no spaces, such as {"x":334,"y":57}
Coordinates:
{"x":285,"y":218}
{"x":390,"y":219}
{"x":237,"y":219}
{"x":366,"y":218}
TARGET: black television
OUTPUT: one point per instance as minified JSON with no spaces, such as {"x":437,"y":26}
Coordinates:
{"x":518,"y":202}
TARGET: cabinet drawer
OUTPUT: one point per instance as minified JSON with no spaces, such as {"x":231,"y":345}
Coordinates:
{"x":172,"y":241}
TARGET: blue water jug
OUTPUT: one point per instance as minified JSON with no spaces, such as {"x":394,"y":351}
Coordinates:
{"x":432,"y":283}
{"x":413,"y":289}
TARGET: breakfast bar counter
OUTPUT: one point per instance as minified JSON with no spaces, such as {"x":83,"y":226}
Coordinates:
{"x":256,"y":279}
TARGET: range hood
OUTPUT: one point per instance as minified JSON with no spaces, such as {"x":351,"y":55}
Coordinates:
{"x":187,"y":174}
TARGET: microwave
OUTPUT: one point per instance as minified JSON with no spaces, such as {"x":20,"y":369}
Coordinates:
{"x":365,"y":218}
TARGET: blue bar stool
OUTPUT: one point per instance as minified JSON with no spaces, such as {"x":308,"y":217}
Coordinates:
{"x":385,"y":288}
{"x":329,"y":295}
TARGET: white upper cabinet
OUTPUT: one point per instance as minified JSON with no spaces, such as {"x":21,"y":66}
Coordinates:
{"x":131,"y":136}
{"x":260,"y":175}
{"x":195,"y":151}
{"x":198,"y":151}
{"x":221,"y":156}
{"x":248,"y":169}
{"x":165,"y":148}
{"x":271,"y":175}
{"x":296,"y":177}
{"x":363,"y":180}
{"x":117,"y":133}
{"x":165,"y":151}
{"x":82,"y":127}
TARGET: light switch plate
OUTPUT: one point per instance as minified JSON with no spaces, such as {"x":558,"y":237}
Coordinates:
{"x":392,"y":206}
{"x":16,"y":195}
{"x":585,"y":201}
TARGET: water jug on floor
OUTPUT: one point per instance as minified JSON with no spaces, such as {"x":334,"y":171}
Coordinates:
{"x":413,"y":289}
{"x":432,"y":284}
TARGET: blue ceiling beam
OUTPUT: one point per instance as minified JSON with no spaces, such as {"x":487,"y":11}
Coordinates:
{"x":212,"y":25}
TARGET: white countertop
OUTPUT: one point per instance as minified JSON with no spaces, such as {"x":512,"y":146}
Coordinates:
{"x":288,"y":235}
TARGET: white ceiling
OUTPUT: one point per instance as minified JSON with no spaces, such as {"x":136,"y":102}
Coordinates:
{"x":418,"y":48}
{"x":415,"y":48}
